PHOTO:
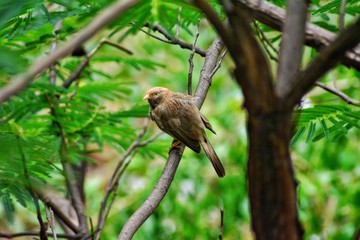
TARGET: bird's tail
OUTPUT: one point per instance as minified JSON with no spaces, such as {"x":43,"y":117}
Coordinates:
{"x":214,"y":159}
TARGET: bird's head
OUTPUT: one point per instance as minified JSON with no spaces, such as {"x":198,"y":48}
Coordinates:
{"x":156,"y":95}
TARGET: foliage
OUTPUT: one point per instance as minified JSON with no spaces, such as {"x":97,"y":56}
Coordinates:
{"x":334,"y":120}
{"x":101,"y":113}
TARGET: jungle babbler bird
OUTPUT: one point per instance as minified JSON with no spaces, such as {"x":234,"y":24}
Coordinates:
{"x":176,"y":114}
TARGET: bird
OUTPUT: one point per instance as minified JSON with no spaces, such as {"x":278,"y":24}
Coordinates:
{"x":176,"y":114}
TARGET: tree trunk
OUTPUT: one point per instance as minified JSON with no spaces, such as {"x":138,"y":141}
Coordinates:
{"x":272,"y":188}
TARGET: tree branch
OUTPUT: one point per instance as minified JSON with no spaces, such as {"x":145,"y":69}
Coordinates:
{"x":315,"y":36}
{"x":36,"y":234}
{"x":191,"y":57}
{"x":58,"y":211}
{"x":245,"y":52}
{"x":342,"y":15}
{"x":19,"y":82}
{"x":163,"y":184}
{"x":80,"y":68}
{"x":291,"y":43}
{"x":174,"y":40}
{"x":326,"y":60}
{"x":338,"y":93}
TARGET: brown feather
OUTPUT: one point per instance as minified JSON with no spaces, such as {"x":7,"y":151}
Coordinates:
{"x":176,"y":114}
{"x":214,"y":159}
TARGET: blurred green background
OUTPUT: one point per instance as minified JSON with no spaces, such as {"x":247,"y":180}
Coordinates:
{"x":111,"y":89}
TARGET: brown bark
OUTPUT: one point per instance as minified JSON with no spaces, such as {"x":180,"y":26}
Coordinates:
{"x":272,"y":187}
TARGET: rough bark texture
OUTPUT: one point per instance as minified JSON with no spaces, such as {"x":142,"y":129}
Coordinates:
{"x":272,"y":187}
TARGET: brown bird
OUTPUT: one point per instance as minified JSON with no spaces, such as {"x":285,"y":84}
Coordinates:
{"x":176,"y":114}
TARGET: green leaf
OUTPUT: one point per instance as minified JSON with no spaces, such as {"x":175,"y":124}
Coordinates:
{"x":298,"y":135}
{"x":325,"y":129}
{"x":311,"y":131}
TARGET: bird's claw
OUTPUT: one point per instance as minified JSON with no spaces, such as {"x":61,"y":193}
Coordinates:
{"x":176,"y":144}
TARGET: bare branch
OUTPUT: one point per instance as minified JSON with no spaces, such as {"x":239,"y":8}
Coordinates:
{"x":51,"y":221}
{"x":338,"y":93}
{"x":221,"y":224}
{"x":326,"y":60}
{"x":342,"y":15}
{"x":174,"y":40}
{"x":163,"y":184}
{"x":36,"y":234}
{"x":315,"y":36}
{"x":191,"y":63}
{"x":291,"y":43}
{"x":218,"y":65}
{"x":105,"y":17}
{"x":245,"y":52}
{"x":266,"y":43}
{"x":53,"y":47}
{"x":57,"y":210}
{"x":76,"y":74}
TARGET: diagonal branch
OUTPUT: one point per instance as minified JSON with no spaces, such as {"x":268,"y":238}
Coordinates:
{"x":59,"y":213}
{"x":315,"y":36}
{"x":291,"y":43}
{"x":245,"y":52}
{"x":175,"y":40}
{"x":80,"y":68}
{"x":326,"y":60}
{"x":108,"y":15}
{"x":36,"y":234}
{"x":167,"y":176}
{"x":338,"y":93}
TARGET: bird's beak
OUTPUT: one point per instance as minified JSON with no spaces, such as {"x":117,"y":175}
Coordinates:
{"x":146,"y":97}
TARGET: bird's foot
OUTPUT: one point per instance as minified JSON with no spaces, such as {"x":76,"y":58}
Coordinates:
{"x":176,"y":145}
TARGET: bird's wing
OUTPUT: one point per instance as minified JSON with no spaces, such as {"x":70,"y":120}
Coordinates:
{"x":178,"y":121}
{"x":206,"y":123}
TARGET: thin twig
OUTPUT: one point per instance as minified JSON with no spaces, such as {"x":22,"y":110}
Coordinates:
{"x":53,"y":47}
{"x":58,"y":212}
{"x":221,"y":224}
{"x":191,"y":63}
{"x":172,"y":39}
{"x":218,"y":65}
{"x":116,"y":45}
{"x":51,"y":220}
{"x":266,"y":43}
{"x":342,"y":15}
{"x":338,"y":93}
{"x":80,"y":68}
{"x":111,"y":189}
